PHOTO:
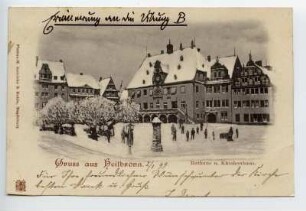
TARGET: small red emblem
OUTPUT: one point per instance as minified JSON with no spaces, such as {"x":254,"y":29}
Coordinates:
{"x":21,"y":185}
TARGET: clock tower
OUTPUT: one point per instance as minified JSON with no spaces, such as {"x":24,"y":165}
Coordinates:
{"x":158,"y":76}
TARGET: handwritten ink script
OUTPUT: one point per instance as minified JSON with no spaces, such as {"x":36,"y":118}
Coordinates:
{"x":149,"y":18}
{"x":138,"y":178}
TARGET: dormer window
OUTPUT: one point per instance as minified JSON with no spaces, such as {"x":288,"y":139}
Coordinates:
{"x":147,"y":72}
{"x":55,"y":77}
{"x":45,"y":73}
{"x":179,"y":67}
{"x":181,"y":58}
{"x":150,"y":64}
{"x":63,"y":77}
{"x":203,"y":65}
{"x":143,"y":81}
{"x":175,"y":77}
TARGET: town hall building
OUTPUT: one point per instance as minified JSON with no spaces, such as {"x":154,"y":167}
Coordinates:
{"x":182,"y":85}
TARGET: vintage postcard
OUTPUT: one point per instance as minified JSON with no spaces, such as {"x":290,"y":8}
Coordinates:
{"x":170,"y":102}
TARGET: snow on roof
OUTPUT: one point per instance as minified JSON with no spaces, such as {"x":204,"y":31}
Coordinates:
{"x":228,"y":62}
{"x":181,"y":65}
{"x":269,"y":73}
{"x":219,"y":81}
{"x":78,"y":80}
{"x":103,"y":85}
{"x":56,"y":67}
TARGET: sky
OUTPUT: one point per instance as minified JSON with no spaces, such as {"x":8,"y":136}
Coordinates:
{"x":119,"y":51}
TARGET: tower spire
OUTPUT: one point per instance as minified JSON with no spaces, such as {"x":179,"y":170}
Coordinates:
{"x":250,"y":55}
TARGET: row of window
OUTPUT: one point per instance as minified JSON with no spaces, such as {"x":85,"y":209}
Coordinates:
{"x":49,"y":76}
{"x":251,"y":71}
{"x":165,"y":105}
{"x":82,"y":90}
{"x":261,"y":90}
{"x":209,"y":89}
{"x":42,"y":104}
{"x":46,"y":94}
{"x":253,"y":118}
{"x":46,"y":86}
{"x":217,"y":103}
{"x":251,"y":103}
{"x":218,"y":74}
{"x":252,"y":81}
{"x":166,"y":91}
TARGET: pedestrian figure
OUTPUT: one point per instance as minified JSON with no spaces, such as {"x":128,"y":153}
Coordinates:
{"x":173,"y":132}
{"x":213,"y":135}
{"x":73,"y":130}
{"x":183,"y":129}
{"x":174,"y":135}
{"x":108,"y":135}
{"x":237,"y":133}
{"x":192,"y":133}
{"x":181,"y":123}
{"x":123,"y":134}
{"x":201,"y":126}
{"x":187,"y":135}
{"x":230,"y":134}
{"x":197,"y":130}
{"x":205,"y":133}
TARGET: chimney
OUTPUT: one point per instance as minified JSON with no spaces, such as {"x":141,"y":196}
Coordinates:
{"x":192,"y":44}
{"x":36,"y":62}
{"x":81,"y":73}
{"x":100,"y":79}
{"x":209,"y":58}
{"x":162,"y":51}
{"x":149,"y":55}
{"x":169,"y":48}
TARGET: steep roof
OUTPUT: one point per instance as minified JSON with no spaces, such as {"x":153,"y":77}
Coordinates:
{"x":57,"y":68}
{"x":103,"y":85}
{"x":177,"y":70}
{"x":269,"y":73}
{"x":78,"y":80}
{"x":228,"y":62}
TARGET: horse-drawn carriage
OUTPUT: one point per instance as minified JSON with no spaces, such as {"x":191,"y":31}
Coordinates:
{"x":228,"y":136}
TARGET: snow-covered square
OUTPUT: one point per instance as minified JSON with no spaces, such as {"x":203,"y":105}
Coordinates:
{"x":249,"y":142}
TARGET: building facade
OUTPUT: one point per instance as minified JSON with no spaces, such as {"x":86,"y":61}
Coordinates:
{"x":51,"y":80}
{"x":81,"y":86}
{"x":108,"y":89}
{"x":252,"y":94}
{"x":182,"y":85}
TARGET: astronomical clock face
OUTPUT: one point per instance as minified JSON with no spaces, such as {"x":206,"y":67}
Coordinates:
{"x":157,"y":92}
{"x":157,"y":80}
